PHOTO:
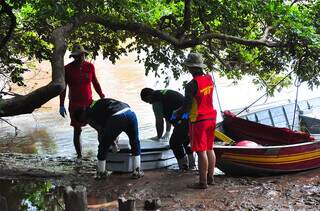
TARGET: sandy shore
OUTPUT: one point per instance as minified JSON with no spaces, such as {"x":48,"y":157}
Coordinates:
{"x":299,"y":191}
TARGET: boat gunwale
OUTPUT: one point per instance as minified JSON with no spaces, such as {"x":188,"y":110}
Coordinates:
{"x":268,"y":147}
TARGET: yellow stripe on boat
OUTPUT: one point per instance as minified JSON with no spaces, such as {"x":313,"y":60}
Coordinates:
{"x":267,"y":159}
{"x":223,"y":137}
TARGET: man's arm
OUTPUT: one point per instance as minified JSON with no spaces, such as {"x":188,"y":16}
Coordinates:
{"x":62,"y":98}
{"x":158,"y":113}
{"x":166,"y":135}
{"x":168,"y":126}
{"x":96,"y":126}
{"x":95,"y":82}
{"x":190,"y":91}
{"x":159,"y":127}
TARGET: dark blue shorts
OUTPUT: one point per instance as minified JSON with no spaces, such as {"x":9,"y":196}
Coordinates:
{"x":125,"y":122}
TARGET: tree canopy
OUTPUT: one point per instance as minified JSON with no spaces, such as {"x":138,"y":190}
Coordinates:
{"x":245,"y":37}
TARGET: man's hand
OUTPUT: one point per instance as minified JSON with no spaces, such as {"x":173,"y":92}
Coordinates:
{"x":62,"y":111}
{"x":185,"y":116}
{"x":173,"y":116}
{"x":166,"y":136}
{"x":155,"y":138}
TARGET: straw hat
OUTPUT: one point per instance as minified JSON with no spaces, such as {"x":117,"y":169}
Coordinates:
{"x":194,"y":60}
{"x":77,"y":50}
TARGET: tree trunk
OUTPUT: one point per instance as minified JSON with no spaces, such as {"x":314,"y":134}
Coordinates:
{"x":75,"y":199}
{"x":3,"y":204}
{"x":24,"y":104}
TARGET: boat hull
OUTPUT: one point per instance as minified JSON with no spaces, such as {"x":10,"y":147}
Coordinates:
{"x":268,"y":160}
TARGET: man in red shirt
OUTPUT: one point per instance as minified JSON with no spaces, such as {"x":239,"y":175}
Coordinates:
{"x":198,"y":106}
{"x":79,"y":75}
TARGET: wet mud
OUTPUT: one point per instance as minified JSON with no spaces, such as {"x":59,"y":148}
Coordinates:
{"x":46,"y":175}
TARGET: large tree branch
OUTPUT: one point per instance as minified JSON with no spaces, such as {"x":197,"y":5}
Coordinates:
{"x":266,"y":34}
{"x":186,"y":19}
{"x":28,"y":103}
{"x":8,"y":10}
{"x":227,"y":66}
{"x":140,"y":28}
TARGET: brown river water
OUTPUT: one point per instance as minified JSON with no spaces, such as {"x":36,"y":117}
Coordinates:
{"x":45,"y":132}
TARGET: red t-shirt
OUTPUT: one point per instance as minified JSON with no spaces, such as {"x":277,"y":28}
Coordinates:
{"x":79,"y":82}
{"x":202,"y":106}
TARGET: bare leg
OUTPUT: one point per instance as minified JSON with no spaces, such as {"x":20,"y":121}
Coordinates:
{"x":77,"y":141}
{"x":211,"y":162}
{"x":203,"y":166}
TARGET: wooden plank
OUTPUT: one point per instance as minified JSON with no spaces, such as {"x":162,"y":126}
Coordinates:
{"x":112,"y":204}
{"x":3,"y":204}
{"x":75,"y":199}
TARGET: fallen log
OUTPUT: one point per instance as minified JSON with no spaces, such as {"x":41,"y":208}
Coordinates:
{"x":112,"y":204}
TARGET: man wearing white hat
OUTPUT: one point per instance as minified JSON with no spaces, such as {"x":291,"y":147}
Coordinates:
{"x":79,"y":75}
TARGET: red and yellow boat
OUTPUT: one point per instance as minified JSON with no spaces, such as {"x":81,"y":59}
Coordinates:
{"x":277,"y":150}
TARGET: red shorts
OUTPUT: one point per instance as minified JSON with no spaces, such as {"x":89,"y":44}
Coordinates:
{"x":202,"y":135}
{"x":74,"y":122}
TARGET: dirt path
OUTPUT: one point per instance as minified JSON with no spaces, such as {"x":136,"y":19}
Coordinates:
{"x":287,"y":192}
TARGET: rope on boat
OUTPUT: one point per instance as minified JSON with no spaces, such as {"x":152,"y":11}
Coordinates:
{"x":297,"y":84}
{"x":215,"y":86}
{"x":268,"y":90}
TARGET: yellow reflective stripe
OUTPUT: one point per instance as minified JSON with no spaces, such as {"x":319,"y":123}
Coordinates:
{"x":163,"y":91}
{"x":194,"y":111}
{"x":92,"y":104}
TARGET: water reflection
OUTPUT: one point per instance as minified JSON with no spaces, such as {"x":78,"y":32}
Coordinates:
{"x":37,"y":141}
{"x":31,"y":196}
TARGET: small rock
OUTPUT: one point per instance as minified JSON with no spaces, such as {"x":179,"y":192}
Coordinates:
{"x":126,"y":204}
{"x":152,"y":204}
{"x":171,"y":195}
{"x":201,"y":206}
{"x":259,"y":207}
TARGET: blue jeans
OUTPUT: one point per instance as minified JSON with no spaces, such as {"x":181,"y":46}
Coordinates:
{"x":125,"y":122}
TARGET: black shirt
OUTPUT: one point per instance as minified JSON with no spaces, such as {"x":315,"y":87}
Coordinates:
{"x":102,"y":109}
{"x":169,"y":100}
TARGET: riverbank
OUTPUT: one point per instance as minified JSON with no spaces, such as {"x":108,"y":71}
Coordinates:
{"x":286,"y":192}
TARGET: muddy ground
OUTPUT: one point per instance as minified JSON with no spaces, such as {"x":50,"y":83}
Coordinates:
{"x":299,"y":191}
